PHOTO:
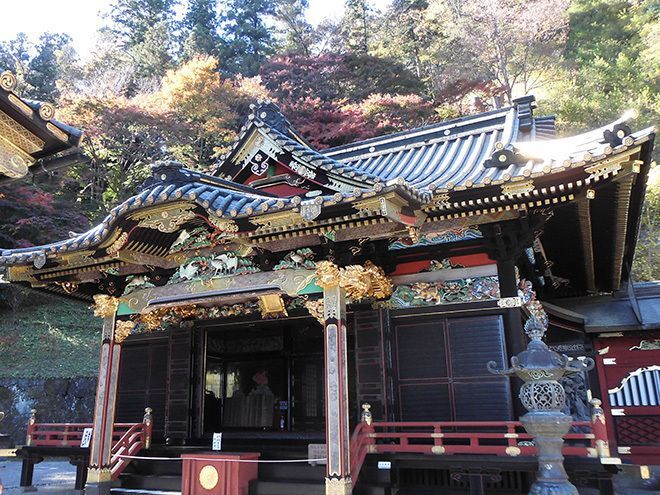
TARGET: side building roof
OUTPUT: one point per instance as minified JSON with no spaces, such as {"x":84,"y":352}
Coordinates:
{"x":29,"y":133}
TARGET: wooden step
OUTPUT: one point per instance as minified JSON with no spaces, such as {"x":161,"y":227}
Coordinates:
{"x":150,"y":481}
{"x":292,"y":471}
{"x":258,"y":487}
{"x":140,"y":491}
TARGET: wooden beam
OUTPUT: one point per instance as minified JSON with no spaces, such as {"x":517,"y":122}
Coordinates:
{"x":584,"y":217}
{"x":622,"y":207}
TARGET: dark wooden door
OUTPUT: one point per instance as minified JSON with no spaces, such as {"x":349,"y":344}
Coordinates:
{"x":142,"y":383}
{"x":179,"y":384}
{"x":308,"y":397}
{"x":440,"y":369}
{"x":370,"y":361}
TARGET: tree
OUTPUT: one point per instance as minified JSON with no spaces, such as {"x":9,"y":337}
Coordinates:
{"x":210,"y":108}
{"x":646,"y":266}
{"x":612,"y":64}
{"x":31,"y":216}
{"x":248,"y":40}
{"x":54,"y":57}
{"x":132,"y":19}
{"x":512,"y":43}
{"x":14,"y":56}
{"x":334,"y":77}
{"x":297,"y":34}
{"x":202,"y":25}
{"x":357,"y":25}
{"x":405,"y":34}
{"x":152,"y":57}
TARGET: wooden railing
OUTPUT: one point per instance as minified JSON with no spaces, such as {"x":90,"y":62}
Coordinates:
{"x":500,"y":438}
{"x":127,"y":438}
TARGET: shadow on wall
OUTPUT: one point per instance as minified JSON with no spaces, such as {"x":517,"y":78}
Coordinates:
{"x":56,"y":400}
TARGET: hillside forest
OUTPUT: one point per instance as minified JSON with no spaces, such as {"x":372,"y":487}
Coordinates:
{"x":175,"y":78}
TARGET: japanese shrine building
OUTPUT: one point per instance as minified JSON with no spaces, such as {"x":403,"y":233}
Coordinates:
{"x":271,"y":299}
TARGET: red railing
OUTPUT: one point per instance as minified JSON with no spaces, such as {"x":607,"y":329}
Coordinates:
{"x":127,"y":438}
{"x":500,"y":438}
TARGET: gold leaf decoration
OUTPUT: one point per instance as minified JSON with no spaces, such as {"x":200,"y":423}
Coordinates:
{"x":122,"y":330}
{"x":315,"y":309}
{"x":355,"y":280}
{"x":104,"y":305}
{"x":381,"y":285}
{"x":358,"y":281}
{"x":327,"y":274}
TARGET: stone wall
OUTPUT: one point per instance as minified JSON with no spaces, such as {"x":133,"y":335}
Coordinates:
{"x":69,"y":400}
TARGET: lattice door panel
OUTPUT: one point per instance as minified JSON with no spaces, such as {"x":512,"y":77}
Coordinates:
{"x":638,"y":430}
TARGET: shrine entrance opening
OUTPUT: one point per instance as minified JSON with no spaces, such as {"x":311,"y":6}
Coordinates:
{"x":266,"y":376}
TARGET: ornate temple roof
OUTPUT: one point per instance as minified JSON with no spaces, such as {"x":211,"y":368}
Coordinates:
{"x":29,"y":132}
{"x":436,"y":157}
{"x":497,"y":166}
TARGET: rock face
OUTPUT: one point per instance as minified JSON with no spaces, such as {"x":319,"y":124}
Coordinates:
{"x":68,"y":400}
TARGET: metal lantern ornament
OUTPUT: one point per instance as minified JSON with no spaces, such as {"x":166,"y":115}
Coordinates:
{"x":544,"y":397}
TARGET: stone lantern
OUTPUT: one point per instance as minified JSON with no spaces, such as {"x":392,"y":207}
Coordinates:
{"x":544,"y":397}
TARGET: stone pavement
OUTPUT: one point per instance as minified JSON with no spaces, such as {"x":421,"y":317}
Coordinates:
{"x":57,"y":477}
{"x":50,"y":476}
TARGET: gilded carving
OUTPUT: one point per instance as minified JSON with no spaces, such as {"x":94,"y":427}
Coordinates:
{"x":603,"y":169}
{"x":276,"y":220}
{"x":166,"y":220}
{"x":272,"y":306}
{"x":105,"y":306}
{"x":13,"y":164}
{"x":20,"y":137}
{"x":222,"y":224}
{"x":327,"y":274}
{"x":118,"y":243}
{"x":47,"y":111}
{"x":355,"y":281}
{"x":518,"y":188}
{"x":315,"y":309}
{"x":359,"y":282}
{"x":338,"y":486}
{"x":122,"y":330}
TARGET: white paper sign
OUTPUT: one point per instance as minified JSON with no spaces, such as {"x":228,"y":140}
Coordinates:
{"x":316,"y":451}
{"x":384,"y":465}
{"x":217,"y":441}
{"x":86,"y":438}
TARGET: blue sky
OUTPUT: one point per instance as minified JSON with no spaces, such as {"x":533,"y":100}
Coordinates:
{"x":79,"y":18}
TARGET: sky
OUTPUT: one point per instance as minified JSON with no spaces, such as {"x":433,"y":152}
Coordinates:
{"x":80,"y":20}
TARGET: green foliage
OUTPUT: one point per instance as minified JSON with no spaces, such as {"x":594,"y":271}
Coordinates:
{"x":202,"y":23}
{"x":45,"y":68}
{"x":612,"y":65}
{"x":357,"y":26}
{"x":48,"y":337}
{"x":297,"y":34}
{"x":646,"y":266}
{"x":248,"y":40}
{"x":133,"y":19}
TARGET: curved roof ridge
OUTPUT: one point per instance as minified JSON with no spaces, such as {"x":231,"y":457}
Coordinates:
{"x":427,"y":129}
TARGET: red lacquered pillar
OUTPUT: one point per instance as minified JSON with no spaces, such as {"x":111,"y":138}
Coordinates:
{"x":338,"y":478}
{"x":99,"y":476}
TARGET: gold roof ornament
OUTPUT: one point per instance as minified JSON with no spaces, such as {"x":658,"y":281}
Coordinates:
{"x":358,"y":281}
{"x":105,"y":306}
